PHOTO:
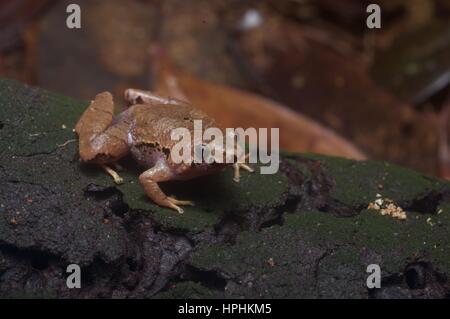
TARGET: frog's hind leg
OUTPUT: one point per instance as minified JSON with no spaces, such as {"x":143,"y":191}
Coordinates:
{"x":96,"y":118}
{"x":100,"y":142}
{"x":149,"y":181}
{"x":135,"y":96}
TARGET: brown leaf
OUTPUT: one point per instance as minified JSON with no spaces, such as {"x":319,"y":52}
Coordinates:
{"x":334,"y":89}
{"x":236,"y":108}
{"x":15,"y":15}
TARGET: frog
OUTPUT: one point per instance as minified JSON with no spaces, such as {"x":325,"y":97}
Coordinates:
{"x":143,"y":131}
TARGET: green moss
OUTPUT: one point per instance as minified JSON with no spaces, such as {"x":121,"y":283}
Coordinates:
{"x":277,"y":242}
{"x":300,"y":167}
{"x":407,"y":240}
{"x":358,"y":182}
{"x":346,"y":243}
{"x":48,"y":120}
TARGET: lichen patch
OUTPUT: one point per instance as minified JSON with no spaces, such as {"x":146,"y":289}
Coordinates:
{"x":387,"y":206}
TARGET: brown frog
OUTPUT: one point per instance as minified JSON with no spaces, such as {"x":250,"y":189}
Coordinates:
{"x":144,"y":131}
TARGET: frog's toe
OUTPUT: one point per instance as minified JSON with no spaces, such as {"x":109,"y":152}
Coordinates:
{"x":237,"y":174}
{"x":175,"y":201}
{"x":246,"y":167}
{"x":177,"y":208}
{"x":113,"y":174}
{"x":118,"y":180}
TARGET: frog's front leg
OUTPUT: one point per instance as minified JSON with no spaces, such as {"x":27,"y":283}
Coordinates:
{"x":135,"y":96}
{"x":149,"y":181}
{"x":237,"y":167}
{"x":241,"y":164}
{"x":100,"y":142}
{"x":117,"y":179}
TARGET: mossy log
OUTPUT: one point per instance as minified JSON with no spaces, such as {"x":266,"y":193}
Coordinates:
{"x":304,"y":232}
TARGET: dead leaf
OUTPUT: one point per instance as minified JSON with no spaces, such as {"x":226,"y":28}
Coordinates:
{"x":236,"y":108}
{"x":335,"y":89}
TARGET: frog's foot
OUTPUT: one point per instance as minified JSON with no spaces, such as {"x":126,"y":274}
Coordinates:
{"x":173,"y":203}
{"x":113,"y":173}
{"x":149,"y":181}
{"x":180,"y":202}
{"x":237,"y":167}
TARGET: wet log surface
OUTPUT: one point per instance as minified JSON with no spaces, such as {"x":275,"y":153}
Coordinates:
{"x":303,"y":232}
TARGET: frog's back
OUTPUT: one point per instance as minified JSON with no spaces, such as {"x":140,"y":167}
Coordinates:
{"x":154,"y":123}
